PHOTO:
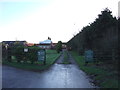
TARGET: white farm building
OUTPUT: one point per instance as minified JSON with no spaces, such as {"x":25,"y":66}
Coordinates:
{"x":46,"y":44}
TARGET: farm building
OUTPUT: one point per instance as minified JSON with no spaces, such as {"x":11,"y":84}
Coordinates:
{"x":46,"y":44}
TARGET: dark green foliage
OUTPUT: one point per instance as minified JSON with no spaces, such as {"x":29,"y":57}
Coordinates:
{"x":32,"y":54}
{"x":18,"y":52}
{"x":101,"y":36}
{"x":59,"y":47}
{"x":4,"y":52}
{"x":51,"y":57}
{"x":9,"y":54}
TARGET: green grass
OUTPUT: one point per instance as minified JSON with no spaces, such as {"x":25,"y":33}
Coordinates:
{"x":66,"y":58}
{"x":109,"y":83}
{"x":51,"y":51}
{"x":51,"y":56}
{"x":101,"y":77}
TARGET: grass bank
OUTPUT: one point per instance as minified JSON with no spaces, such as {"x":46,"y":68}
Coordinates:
{"x":51,"y":56}
{"x":66,"y":58}
{"x":103,"y":77}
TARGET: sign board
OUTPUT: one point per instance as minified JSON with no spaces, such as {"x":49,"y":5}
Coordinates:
{"x":89,"y":56}
{"x":25,"y":49}
{"x":6,"y":46}
{"x":41,"y":55}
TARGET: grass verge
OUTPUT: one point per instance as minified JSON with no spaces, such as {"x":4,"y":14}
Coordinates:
{"x":66,"y":58}
{"x":102,"y":78}
{"x":51,"y":57}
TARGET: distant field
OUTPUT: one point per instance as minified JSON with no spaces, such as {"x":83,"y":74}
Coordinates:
{"x":51,"y":56}
{"x":101,"y":76}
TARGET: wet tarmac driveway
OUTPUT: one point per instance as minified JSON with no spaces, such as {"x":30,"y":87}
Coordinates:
{"x":58,"y":76}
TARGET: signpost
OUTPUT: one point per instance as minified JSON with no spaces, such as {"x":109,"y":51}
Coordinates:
{"x":42,"y":55}
{"x":88,"y":56}
{"x":25,"y":49}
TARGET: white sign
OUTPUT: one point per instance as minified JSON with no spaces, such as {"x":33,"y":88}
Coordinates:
{"x":25,"y":49}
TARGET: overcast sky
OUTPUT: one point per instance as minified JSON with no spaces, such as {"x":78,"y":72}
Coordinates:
{"x":36,"y":20}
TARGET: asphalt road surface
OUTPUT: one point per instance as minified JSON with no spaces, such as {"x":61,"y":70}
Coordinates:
{"x":58,"y":76}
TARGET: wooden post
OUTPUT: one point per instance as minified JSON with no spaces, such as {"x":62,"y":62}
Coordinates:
{"x":45,"y":58}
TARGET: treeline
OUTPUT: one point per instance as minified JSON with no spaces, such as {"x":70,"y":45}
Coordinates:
{"x":101,"y":36}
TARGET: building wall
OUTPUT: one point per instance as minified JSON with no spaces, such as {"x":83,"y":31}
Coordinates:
{"x":45,"y":46}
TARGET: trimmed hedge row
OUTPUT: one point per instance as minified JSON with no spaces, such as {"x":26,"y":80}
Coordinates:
{"x":18,"y":52}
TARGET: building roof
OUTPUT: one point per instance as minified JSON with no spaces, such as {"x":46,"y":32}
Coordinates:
{"x":30,"y":44}
{"x":46,"y":42}
{"x":10,"y":42}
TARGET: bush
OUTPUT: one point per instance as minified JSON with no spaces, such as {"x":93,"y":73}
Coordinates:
{"x":59,"y":47}
{"x":32,"y":54}
{"x":18,"y":52}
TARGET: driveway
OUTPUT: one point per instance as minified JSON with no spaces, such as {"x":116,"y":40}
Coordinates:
{"x":58,"y":76}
